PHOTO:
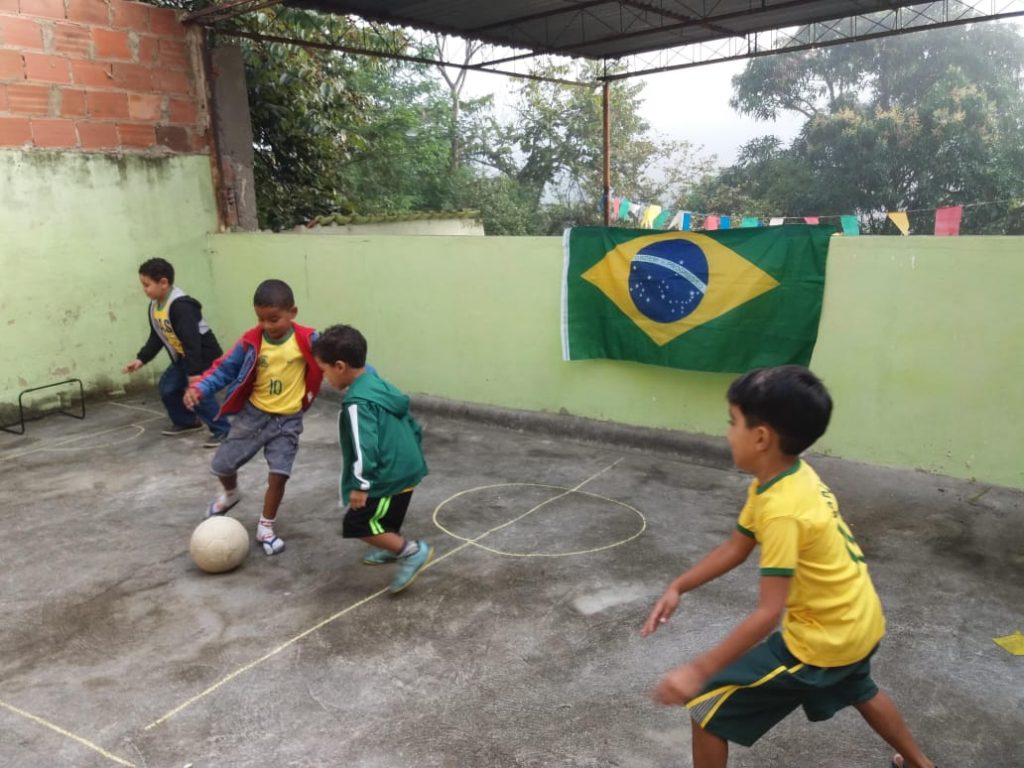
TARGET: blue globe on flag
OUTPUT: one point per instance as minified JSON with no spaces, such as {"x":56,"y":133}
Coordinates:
{"x":668,"y":279}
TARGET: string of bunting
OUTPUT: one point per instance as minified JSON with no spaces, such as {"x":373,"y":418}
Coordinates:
{"x":650,"y":216}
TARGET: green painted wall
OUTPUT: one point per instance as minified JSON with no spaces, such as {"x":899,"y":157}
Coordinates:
{"x":75,"y":227}
{"x":921,"y":342}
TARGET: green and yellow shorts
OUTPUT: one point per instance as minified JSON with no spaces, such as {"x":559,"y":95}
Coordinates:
{"x":746,"y":699}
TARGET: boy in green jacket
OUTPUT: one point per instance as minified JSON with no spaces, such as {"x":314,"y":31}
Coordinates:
{"x":381,"y":456}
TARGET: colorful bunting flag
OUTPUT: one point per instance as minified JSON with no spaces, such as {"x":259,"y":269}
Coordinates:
{"x":653,"y":216}
{"x":650,"y":212}
{"x":899,"y":218}
{"x":727,"y":301}
{"x":947,"y":220}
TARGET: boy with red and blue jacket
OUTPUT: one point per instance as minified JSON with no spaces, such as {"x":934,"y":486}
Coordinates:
{"x":271,"y":378}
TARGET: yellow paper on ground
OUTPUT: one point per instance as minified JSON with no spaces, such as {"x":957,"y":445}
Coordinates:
{"x":1013,"y":643}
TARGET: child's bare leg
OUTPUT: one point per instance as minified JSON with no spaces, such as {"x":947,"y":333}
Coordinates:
{"x":392,"y":542}
{"x":709,"y":751}
{"x":229,"y":482}
{"x":881,"y":714}
{"x":274,"y":495}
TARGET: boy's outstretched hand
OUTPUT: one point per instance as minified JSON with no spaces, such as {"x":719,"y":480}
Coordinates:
{"x":680,"y":685}
{"x":661,"y":612}
{"x":192,"y":398}
{"x":133,"y":366}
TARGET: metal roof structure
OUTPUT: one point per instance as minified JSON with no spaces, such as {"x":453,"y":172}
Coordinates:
{"x":644,"y":36}
{"x":636,"y":36}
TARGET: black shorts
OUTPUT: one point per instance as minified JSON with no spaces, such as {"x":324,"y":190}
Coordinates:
{"x":380,"y":515}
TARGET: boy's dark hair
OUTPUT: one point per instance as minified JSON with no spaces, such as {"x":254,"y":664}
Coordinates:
{"x":789,"y":399}
{"x":157,"y":268}
{"x":341,"y":342}
{"x":274,"y":293}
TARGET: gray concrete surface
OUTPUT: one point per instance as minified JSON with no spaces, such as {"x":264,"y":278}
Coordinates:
{"x":518,"y":649}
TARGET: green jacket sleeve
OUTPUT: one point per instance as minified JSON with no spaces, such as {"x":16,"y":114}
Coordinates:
{"x":362,"y":423}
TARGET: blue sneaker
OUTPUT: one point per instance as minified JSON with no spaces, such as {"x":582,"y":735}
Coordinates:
{"x":378,"y":556}
{"x":409,"y":567}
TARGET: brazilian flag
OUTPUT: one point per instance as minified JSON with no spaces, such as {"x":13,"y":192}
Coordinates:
{"x":729,"y":300}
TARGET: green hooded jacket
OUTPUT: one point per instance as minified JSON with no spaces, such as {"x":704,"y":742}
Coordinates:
{"x":380,"y":440}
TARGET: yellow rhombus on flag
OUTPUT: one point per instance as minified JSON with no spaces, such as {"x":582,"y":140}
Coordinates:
{"x":732,"y":281}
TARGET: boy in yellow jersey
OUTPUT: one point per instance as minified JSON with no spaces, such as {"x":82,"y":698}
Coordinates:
{"x":176,"y":323}
{"x":813,"y":577}
{"x":271,"y":379}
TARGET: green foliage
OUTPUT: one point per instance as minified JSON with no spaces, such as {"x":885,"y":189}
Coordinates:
{"x":904,"y":123}
{"x":554,"y":147}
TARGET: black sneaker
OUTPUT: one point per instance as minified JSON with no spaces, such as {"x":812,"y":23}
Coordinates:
{"x":215,"y":441}
{"x":175,"y":429}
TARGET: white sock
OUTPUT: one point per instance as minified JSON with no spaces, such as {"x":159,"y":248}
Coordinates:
{"x":265,"y":530}
{"x":411,"y":547}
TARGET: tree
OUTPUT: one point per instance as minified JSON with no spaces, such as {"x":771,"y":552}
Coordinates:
{"x":553,"y":147}
{"x":910,"y":122}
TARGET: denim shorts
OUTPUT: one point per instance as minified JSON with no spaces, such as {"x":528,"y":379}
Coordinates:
{"x":252,"y":429}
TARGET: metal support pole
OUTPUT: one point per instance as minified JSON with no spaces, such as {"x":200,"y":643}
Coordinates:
{"x":607,"y":124}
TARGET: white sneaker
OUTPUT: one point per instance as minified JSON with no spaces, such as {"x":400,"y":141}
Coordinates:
{"x":272,"y":546}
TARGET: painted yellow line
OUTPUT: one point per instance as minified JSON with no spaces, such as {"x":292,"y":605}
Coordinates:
{"x":136,"y":408}
{"x":567,"y":491}
{"x":84,"y":742}
{"x":270,"y":654}
{"x":58,"y":445}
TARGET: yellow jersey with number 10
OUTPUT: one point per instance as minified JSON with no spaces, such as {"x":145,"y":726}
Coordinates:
{"x":833,"y":614}
{"x":280,"y":377}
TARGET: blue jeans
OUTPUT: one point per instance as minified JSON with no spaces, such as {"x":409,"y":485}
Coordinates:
{"x":172,"y":386}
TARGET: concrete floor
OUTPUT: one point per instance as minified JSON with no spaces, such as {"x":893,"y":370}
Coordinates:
{"x":518,"y":649}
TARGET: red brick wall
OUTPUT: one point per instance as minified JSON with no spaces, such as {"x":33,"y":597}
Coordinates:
{"x":100,"y":75}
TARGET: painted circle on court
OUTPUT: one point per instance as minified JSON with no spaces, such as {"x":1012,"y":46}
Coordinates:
{"x":668,"y":279}
{"x":533,"y":520}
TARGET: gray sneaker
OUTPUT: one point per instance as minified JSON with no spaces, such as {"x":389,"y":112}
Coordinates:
{"x":177,"y":429}
{"x":215,"y":441}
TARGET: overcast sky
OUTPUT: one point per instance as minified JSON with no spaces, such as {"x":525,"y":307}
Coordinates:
{"x":690,"y":104}
{"x":693,"y":104}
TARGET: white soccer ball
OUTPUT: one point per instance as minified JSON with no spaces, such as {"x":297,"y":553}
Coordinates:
{"x":219,"y":544}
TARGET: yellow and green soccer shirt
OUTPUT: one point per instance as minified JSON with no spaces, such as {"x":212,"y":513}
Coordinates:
{"x":162,"y":317}
{"x":833,"y":614}
{"x":280,"y":376}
